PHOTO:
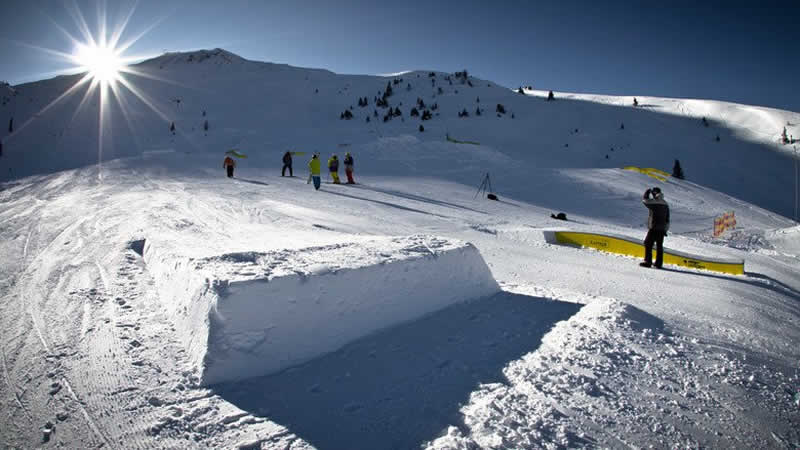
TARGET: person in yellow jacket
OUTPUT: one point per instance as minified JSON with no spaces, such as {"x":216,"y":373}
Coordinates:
{"x":314,"y":168}
{"x":333,"y":167}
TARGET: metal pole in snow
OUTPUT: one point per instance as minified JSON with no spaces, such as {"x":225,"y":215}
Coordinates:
{"x":795,"y":182}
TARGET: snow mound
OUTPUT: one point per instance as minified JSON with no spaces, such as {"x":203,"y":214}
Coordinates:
{"x":250,"y":313}
{"x":548,"y":389}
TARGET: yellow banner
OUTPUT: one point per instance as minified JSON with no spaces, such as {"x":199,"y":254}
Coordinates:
{"x":650,"y":172}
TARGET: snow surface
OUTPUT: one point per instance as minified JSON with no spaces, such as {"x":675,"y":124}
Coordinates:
{"x":247,"y":314}
{"x":579,"y":348}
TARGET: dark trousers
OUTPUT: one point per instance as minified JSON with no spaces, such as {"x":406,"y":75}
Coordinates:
{"x":283,"y":171}
{"x":657,"y":237}
{"x":230,"y":171}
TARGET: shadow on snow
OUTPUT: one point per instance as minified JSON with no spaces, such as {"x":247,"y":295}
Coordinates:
{"x":389,"y":204}
{"x":402,"y":386}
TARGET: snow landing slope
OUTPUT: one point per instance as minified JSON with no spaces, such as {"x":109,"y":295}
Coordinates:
{"x":578,"y":349}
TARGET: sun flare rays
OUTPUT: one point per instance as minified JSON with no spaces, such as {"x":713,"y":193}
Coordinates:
{"x":98,"y":54}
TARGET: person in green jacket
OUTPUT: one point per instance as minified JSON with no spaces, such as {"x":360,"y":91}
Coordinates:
{"x":314,"y":167}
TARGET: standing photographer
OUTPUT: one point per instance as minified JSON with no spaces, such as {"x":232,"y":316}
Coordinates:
{"x":657,"y":226}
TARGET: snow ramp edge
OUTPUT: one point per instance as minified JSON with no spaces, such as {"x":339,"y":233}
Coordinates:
{"x":249,"y":314}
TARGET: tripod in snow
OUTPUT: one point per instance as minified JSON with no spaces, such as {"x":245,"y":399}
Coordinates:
{"x":486,"y":186}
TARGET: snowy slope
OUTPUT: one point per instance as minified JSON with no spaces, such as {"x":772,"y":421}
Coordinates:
{"x":89,"y":337}
{"x":579,"y":348}
{"x":265,"y":109}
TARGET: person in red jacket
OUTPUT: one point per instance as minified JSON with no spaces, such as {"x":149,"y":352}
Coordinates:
{"x":229,"y":164}
{"x":348,"y":167}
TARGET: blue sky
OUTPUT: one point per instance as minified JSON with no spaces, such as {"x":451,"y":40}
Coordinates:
{"x":736,"y":51}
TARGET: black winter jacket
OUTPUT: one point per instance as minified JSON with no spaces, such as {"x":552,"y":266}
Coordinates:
{"x":659,"y":213}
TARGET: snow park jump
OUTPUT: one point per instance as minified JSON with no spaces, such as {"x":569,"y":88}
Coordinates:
{"x":627,"y":246}
{"x":247,"y":314}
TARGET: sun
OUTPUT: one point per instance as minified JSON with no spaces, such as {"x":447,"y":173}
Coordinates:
{"x":102,"y":62}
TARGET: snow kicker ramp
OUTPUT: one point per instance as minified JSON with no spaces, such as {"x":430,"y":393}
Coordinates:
{"x":249,"y":314}
{"x":628,"y":246}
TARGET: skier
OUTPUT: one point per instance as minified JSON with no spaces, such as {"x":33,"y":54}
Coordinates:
{"x":348,"y":167}
{"x":314,"y":167}
{"x":287,"y":163}
{"x":229,"y":164}
{"x":657,"y":226}
{"x":333,"y":167}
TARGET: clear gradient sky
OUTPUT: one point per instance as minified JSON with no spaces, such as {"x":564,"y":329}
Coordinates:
{"x":736,"y":51}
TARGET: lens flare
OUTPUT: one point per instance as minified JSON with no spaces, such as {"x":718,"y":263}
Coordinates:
{"x":99,"y":57}
{"x":102,"y":62}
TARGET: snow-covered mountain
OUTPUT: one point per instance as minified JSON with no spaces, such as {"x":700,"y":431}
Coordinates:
{"x":265,"y":109}
{"x":151,"y":302}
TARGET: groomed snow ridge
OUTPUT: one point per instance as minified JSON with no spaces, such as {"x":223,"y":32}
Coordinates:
{"x":255,"y":313}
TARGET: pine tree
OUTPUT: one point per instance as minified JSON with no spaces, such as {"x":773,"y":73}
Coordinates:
{"x":550,"y":96}
{"x":421,"y":128}
{"x":388,"y":92}
{"x":172,"y":127}
{"x":414,"y":112}
{"x":677,"y":170}
{"x":520,"y":90}
{"x":635,"y":102}
{"x":10,"y":125}
{"x":501,"y":109}
{"x":205,"y":126}
{"x":784,"y":138}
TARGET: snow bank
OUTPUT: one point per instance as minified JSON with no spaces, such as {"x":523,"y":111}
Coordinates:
{"x":248,"y":314}
{"x":558,"y":394}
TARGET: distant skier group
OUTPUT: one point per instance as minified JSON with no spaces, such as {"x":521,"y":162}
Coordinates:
{"x":333,"y":169}
{"x":314,"y":166}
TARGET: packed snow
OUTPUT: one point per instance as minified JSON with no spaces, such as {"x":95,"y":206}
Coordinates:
{"x":247,"y":314}
{"x":150,"y":302}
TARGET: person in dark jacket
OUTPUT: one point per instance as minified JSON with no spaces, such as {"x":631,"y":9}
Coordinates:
{"x":229,"y":164}
{"x":657,"y":226}
{"x":287,"y":164}
{"x":348,"y":168}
